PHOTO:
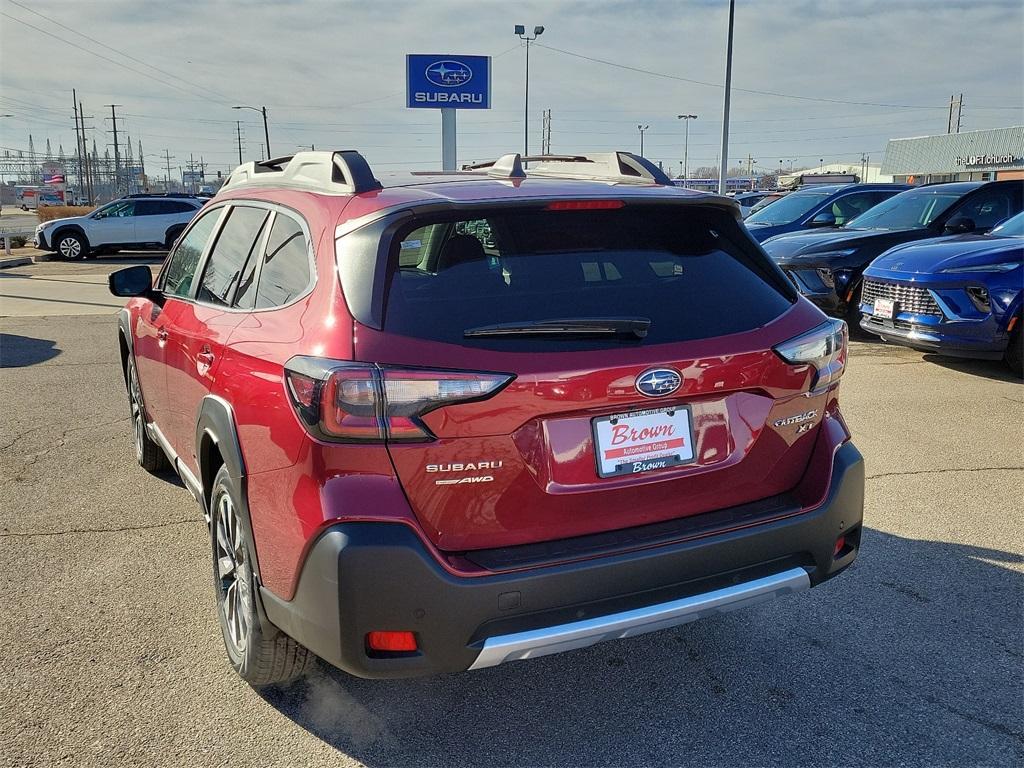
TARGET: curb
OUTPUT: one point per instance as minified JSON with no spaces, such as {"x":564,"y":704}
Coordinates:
{"x":15,"y":261}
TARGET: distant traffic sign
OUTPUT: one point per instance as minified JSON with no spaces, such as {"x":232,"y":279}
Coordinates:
{"x":446,"y":81}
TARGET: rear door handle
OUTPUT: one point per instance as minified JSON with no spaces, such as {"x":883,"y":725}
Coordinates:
{"x":161,"y":335}
{"x":205,"y":357}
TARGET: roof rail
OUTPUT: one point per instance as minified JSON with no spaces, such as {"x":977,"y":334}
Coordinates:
{"x":622,"y":167}
{"x":341,"y":172}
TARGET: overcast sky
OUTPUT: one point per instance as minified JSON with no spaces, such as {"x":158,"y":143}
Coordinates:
{"x":332,"y":74}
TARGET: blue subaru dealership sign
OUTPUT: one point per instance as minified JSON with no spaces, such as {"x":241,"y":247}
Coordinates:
{"x":448,"y":81}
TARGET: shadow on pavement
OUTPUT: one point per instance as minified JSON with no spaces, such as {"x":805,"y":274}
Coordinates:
{"x":988,"y":369}
{"x":22,"y":351}
{"x":912,"y":657}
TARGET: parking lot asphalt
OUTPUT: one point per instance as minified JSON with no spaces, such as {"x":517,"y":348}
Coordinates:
{"x":112,"y":654}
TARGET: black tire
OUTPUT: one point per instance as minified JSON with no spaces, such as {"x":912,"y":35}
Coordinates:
{"x":172,"y":236}
{"x":70,"y":245}
{"x":261,"y":655}
{"x":150,"y":456}
{"x":1014,"y":355}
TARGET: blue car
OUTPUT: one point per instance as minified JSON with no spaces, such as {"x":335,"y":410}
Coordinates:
{"x":822,"y":205}
{"x":958,"y":296}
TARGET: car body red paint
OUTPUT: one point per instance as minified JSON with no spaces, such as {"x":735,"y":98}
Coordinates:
{"x":513,"y":469}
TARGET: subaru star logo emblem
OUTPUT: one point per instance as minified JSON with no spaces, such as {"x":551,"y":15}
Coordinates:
{"x":448,"y":74}
{"x":658,"y":382}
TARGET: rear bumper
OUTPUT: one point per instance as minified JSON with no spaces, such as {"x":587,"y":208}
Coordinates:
{"x":361,"y":577}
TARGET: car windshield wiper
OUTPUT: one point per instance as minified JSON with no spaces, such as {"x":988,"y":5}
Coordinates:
{"x":567,"y":326}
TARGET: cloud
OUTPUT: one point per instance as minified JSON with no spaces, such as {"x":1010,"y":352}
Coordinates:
{"x":332,"y":74}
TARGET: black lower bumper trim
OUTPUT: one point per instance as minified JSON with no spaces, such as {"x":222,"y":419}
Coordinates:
{"x":361,"y":577}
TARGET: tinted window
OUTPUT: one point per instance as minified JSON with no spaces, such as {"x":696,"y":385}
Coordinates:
{"x":788,"y":209}
{"x":285,"y":272}
{"x":678,"y":268}
{"x":181,"y":266}
{"x":990,"y":206}
{"x":150,"y":208}
{"x":236,"y":241}
{"x":119,"y":208}
{"x":176,"y":206}
{"x":851,"y":206}
{"x":913,"y":209}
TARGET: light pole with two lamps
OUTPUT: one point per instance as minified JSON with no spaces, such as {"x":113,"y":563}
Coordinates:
{"x":686,"y":144}
{"x":521,"y":32}
{"x":642,"y":129}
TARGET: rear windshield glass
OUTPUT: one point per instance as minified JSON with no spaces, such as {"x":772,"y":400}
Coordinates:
{"x":684,"y":269}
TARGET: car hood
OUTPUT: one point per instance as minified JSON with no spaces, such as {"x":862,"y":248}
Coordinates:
{"x":939,"y":253}
{"x":65,"y":220}
{"x":798,"y":244}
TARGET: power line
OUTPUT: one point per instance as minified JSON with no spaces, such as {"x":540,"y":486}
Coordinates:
{"x":744,"y":90}
{"x":105,"y":58}
{"x":119,"y":52}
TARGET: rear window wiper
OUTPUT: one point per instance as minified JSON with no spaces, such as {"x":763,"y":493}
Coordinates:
{"x":566,"y":326}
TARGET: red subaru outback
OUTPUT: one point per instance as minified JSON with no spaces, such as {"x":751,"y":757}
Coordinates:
{"x":442,"y":421}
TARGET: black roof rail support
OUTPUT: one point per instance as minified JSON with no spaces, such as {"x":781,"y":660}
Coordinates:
{"x":632,"y":164}
{"x":275,"y":164}
{"x":354,"y":171}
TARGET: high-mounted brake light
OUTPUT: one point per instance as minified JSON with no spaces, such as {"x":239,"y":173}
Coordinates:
{"x":824,"y":347}
{"x":341,"y":401}
{"x":584,"y":205}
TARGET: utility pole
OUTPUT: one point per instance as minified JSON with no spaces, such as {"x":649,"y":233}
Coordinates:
{"x":959,"y":111}
{"x":548,"y":142}
{"x":117,"y":151}
{"x":238,"y":133}
{"x":78,"y":143}
{"x":723,"y":169}
{"x":90,"y":168}
{"x":167,"y":178}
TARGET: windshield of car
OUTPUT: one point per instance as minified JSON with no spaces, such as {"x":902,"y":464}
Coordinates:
{"x":1013,"y":227}
{"x":913,"y":209}
{"x":788,"y":209}
{"x":674,"y":268}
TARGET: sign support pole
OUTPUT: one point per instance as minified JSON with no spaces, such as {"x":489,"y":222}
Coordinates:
{"x":448,"y":139}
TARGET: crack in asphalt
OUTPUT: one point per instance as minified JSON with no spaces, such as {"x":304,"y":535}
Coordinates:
{"x":942,"y":471}
{"x":64,"y":434}
{"x":122,"y":529}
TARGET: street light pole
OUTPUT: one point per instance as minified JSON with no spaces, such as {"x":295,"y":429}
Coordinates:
{"x":266,"y":130}
{"x":725,"y":109}
{"x":686,"y":144}
{"x":521,"y":32}
{"x":642,"y":128}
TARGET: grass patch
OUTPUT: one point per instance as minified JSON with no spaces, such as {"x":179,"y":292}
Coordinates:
{"x":51,"y":212}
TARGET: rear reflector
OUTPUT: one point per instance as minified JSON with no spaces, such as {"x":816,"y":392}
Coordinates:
{"x":584,"y":205}
{"x":840,"y":545}
{"x":391,"y":641}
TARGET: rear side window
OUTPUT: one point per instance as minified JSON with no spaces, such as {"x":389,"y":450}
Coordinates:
{"x":285,"y":274}
{"x":236,"y":241}
{"x":684,"y":268}
{"x":181,"y":266}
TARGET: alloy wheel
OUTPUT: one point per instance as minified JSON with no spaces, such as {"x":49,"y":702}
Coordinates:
{"x":138,"y":420}
{"x":70,"y":248}
{"x":232,"y":572}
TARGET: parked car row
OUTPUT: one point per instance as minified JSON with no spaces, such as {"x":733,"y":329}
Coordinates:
{"x":945,"y":269}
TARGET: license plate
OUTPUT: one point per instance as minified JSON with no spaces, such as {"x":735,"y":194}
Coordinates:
{"x":643,"y":441}
{"x":885,"y":308}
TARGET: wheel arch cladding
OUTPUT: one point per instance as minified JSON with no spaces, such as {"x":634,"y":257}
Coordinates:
{"x":217,"y":444}
{"x":66,"y":229}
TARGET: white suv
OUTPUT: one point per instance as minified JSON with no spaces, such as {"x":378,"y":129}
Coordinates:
{"x":131,"y":222}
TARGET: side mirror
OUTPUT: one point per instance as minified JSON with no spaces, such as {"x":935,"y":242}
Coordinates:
{"x":99,"y":215}
{"x":132,"y":281}
{"x":823,"y":219}
{"x":959,"y":225}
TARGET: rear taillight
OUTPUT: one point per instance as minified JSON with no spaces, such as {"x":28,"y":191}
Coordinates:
{"x":345,"y":402}
{"x":824,"y":348}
